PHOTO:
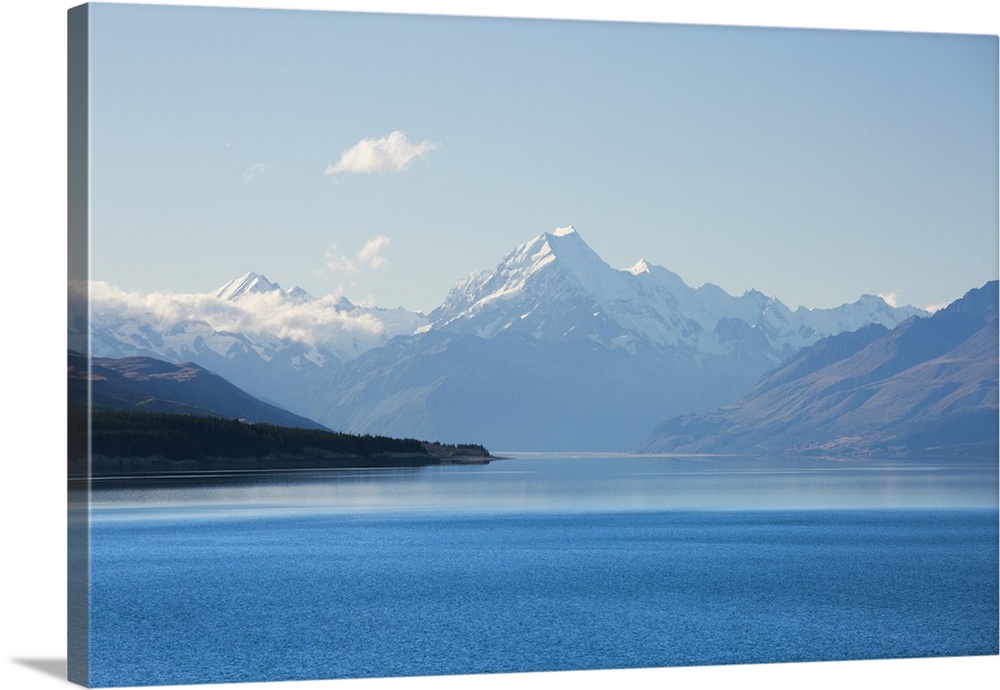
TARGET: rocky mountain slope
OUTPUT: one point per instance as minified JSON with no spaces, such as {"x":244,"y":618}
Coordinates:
{"x":152,"y":385}
{"x":928,"y":386}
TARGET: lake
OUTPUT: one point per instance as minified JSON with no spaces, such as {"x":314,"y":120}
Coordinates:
{"x":542,"y":562}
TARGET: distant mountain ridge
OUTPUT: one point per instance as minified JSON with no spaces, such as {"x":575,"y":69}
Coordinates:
{"x":280,"y":345}
{"x":929,"y":386}
{"x":552,"y":349}
{"x":256,"y":283}
{"x":555,"y":286}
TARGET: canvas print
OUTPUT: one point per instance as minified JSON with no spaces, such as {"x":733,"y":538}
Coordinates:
{"x":408,"y":345}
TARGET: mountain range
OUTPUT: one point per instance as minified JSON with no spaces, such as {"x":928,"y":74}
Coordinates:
{"x":282,"y":346}
{"x":929,"y":386}
{"x":551,"y":349}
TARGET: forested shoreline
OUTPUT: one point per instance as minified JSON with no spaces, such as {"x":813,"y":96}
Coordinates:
{"x":126,"y":442}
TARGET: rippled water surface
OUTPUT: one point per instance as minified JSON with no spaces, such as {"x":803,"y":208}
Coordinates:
{"x":542,"y":563}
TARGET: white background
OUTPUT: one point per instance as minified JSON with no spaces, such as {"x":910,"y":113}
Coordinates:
{"x":32,"y":336}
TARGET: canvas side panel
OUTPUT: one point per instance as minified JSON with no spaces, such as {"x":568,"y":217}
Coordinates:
{"x":78,"y":340}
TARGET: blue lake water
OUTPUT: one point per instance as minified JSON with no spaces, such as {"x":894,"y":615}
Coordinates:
{"x":542,"y":563}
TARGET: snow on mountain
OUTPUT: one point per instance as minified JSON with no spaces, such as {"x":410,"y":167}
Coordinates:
{"x":555,"y":286}
{"x":257,"y":284}
{"x":276,"y":344}
{"x":244,"y":285}
{"x":250,"y":309}
{"x":547,"y":287}
{"x":551,"y":349}
{"x":928,"y":386}
{"x":554,"y":349}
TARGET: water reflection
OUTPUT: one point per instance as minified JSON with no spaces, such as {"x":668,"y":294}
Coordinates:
{"x":568,"y":483}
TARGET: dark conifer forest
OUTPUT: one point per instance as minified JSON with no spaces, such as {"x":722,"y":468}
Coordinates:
{"x":127,"y":442}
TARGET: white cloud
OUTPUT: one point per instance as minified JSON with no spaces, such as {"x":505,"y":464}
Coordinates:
{"x":369,"y":253}
{"x":258,"y":314}
{"x":254,"y":171}
{"x":390,"y":154}
{"x":337,"y":262}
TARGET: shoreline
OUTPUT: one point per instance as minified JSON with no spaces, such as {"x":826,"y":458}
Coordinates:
{"x":159,"y":467}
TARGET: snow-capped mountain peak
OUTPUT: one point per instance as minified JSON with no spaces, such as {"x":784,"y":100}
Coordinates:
{"x":564,"y":245}
{"x":530,"y":282}
{"x":297,"y":294}
{"x":276,"y":344}
{"x":248,"y":283}
{"x":257,"y":283}
{"x":549,"y":343}
{"x":555,"y":286}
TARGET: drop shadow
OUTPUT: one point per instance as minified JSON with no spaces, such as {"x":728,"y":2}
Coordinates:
{"x":50,"y":667}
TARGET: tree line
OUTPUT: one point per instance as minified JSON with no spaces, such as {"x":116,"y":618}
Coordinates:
{"x":127,"y":433}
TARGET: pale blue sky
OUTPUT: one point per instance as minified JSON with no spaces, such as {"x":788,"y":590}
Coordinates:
{"x":813,"y":165}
